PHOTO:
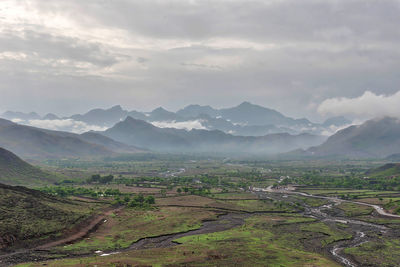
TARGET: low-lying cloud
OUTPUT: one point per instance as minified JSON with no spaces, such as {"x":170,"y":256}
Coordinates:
{"x":187,"y":125}
{"x":367,"y":105}
{"x":68,"y":125}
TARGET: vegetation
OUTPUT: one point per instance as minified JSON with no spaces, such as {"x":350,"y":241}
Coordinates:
{"x":157,"y":196}
{"x":97,"y":178}
{"x":256,"y":243}
{"x":15,"y":171}
{"x":128,"y":226}
{"x":379,"y":253}
{"x":64,"y":191}
{"x":29,"y":216}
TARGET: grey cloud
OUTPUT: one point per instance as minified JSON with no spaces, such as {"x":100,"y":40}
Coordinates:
{"x":289,"y":55}
{"x":142,"y":59}
{"x":367,"y":106}
{"x":262,"y":20}
{"x":49,"y":46}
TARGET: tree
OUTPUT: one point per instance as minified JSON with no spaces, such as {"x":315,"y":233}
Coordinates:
{"x":127,"y":199}
{"x":179,"y":190}
{"x":106,"y":179}
{"x":133,"y":203}
{"x":150,"y":200}
{"x":139,"y":198}
{"x":94,"y":178}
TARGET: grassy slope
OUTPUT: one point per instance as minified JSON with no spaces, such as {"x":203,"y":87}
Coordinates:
{"x":387,"y":170}
{"x":27,"y":215}
{"x":15,"y":171}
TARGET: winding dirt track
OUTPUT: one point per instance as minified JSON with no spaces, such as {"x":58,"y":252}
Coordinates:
{"x":226,"y":220}
{"x":78,"y":234}
{"x":82,"y":232}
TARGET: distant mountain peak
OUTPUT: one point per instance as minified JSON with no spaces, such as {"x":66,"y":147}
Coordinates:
{"x":197,"y":106}
{"x":250,"y":106}
{"x":246,"y":103}
{"x":132,"y":121}
{"x":116,"y":108}
{"x":160,"y":109}
{"x":50,"y":116}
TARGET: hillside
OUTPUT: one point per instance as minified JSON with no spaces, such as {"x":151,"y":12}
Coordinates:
{"x":29,"y":216}
{"x":36,"y":143}
{"x":377,"y":138}
{"x":143,"y":134}
{"x":109,"y":143}
{"x":15,"y":171}
{"x":385,"y":171}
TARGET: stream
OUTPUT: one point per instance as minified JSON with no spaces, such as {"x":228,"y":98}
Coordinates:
{"x":231,"y":220}
{"x":359,"y":235}
{"x":223,"y":222}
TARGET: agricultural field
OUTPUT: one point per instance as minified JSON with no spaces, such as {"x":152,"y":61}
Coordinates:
{"x":198,"y":212}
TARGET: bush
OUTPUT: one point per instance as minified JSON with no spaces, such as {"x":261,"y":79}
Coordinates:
{"x":150,"y":200}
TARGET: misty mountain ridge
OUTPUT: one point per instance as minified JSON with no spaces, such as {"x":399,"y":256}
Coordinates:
{"x":36,"y":143}
{"x":245,"y":119}
{"x":376,"y":138}
{"x":141,"y":133}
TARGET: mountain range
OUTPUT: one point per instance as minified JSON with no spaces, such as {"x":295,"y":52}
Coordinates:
{"x":245,"y":119}
{"x":128,"y":135}
{"x":244,"y":129}
{"x":138,"y":132}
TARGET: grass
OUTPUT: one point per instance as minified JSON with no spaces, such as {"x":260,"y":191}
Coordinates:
{"x":332,"y":235}
{"x":234,"y":196}
{"x":311,"y":201}
{"x":248,"y":205}
{"x":258,"y":205}
{"x":352,"y":209}
{"x":249,"y":245}
{"x":383,"y":253}
{"x":126,"y":227}
{"x":28,"y":216}
{"x":391,"y":222}
{"x":15,"y":171}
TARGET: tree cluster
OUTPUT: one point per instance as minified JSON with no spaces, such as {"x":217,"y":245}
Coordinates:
{"x":97,"y":178}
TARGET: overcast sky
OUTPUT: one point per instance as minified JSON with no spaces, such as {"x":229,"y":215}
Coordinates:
{"x":68,"y":56}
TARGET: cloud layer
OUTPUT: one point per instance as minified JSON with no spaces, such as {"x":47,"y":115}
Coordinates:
{"x":186,"y":125}
{"x":68,"y":56}
{"x":68,"y":125}
{"x":367,"y":105}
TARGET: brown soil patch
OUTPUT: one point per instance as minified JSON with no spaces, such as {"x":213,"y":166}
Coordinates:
{"x":82,"y":232}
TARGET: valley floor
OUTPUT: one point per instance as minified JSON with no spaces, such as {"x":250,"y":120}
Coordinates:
{"x":234,"y":229}
{"x":206,"y":214}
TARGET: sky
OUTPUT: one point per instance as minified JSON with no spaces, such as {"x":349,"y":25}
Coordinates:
{"x":308,"y":58}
